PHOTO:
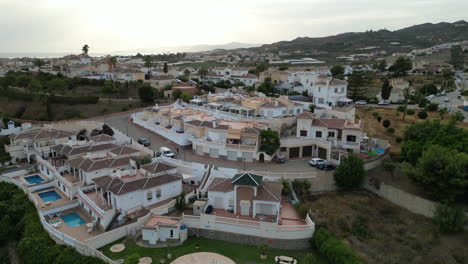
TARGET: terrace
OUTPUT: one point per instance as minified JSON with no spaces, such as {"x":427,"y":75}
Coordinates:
{"x":79,"y":232}
{"x":50,"y":198}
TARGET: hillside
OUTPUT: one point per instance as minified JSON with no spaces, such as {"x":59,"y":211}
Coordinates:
{"x":418,"y":36}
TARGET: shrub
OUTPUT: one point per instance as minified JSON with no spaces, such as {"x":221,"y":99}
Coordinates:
{"x":74,"y":100}
{"x":449,"y":218}
{"x":309,"y":259}
{"x":301,"y":187}
{"x":401,"y":108}
{"x":350,"y":173}
{"x":391,"y":130}
{"x":375,"y":114}
{"x":386,"y":123}
{"x":422,"y":115}
{"x":398,"y":139}
{"x":332,"y":248}
{"x":379,"y":118}
{"x":409,"y":111}
{"x":132,"y":259}
{"x":20,"y":111}
{"x":432,"y":107}
{"x":301,"y":210}
{"x":71,"y":113}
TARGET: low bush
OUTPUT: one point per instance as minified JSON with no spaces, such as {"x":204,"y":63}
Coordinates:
{"x":409,"y":111}
{"x":449,"y":218}
{"x":375,"y":114}
{"x":391,"y":130}
{"x":398,"y":139}
{"x":379,"y":118}
{"x":332,"y":248}
{"x":386,"y":123}
{"x":432,"y":107}
{"x":74,"y":100}
{"x":401,"y":108}
{"x":422,"y":115}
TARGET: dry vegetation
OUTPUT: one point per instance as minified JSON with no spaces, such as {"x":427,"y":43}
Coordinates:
{"x":37,"y":111}
{"x":381,"y":232}
{"x":374,"y":128}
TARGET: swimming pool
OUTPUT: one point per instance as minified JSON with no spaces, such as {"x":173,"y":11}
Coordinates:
{"x":34,"y":179}
{"x":50,"y":196}
{"x":73,"y":219}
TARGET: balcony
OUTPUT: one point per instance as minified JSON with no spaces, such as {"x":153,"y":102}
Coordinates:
{"x":241,"y":147}
{"x":94,"y":200}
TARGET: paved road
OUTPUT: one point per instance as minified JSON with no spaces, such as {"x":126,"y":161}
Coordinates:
{"x":452,"y":104}
{"x":121,"y":122}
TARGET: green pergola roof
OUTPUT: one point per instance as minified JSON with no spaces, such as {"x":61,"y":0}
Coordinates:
{"x":248,"y":179}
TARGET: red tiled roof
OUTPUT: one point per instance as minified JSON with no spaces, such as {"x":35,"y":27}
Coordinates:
{"x":306,"y":115}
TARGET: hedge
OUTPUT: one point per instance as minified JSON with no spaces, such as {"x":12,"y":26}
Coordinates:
{"x":333,"y":248}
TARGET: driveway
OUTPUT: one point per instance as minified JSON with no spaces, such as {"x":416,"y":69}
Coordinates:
{"x":122,"y":123}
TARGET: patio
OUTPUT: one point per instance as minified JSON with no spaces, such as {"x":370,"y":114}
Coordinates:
{"x":80,"y":232}
{"x":45,"y":205}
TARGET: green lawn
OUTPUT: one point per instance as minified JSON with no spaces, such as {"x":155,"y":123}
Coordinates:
{"x":241,"y":254}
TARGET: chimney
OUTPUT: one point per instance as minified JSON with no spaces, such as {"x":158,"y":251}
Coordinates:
{"x":214,"y":123}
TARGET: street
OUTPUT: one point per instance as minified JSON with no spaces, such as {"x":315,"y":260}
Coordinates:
{"x":452,"y":104}
{"x":122,"y":123}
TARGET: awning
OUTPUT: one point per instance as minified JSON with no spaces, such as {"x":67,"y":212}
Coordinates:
{"x":187,"y":176}
{"x":234,"y":134}
{"x":344,"y":100}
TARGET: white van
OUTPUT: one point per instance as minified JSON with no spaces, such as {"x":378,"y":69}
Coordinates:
{"x":166,"y":152}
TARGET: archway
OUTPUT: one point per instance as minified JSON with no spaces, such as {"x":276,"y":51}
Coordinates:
{"x":261,"y":157}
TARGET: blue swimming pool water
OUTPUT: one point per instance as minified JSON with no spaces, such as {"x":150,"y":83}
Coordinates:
{"x":34,"y":179}
{"x":50,"y":196}
{"x":380,"y":151}
{"x":73,"y":220}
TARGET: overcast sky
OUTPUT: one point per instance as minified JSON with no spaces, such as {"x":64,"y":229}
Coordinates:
{"x":121,"y":25}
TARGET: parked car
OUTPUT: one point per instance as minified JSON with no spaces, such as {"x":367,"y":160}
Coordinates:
{"x":165,"y":151}
{"x":316,"y":161}
{"x":446,"y":99}
{"x":280,"y":159}
{"x":361,"y":102}
{"x":384,"y":103}
{"x":327,"y":166}
{"x":144,"y":141}
{"x":430,"y":97}
{"x":209,"y":209}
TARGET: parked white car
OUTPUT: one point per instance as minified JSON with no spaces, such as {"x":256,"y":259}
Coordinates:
{"x":166,"y":152}
{"x":316,"y":161}
{"x":361,"y":102}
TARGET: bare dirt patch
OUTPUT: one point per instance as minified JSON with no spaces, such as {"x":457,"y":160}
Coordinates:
{"x":381,"y":232}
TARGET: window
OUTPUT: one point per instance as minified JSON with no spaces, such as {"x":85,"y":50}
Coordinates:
{"x":342,"y":89}
{"x":149,"y":196}
{"x":171,"y":234}
{"x":303,"y":133}
{"x":158,"y":193}
{"x":318,"y":134}
{"x":336,"y":90}
{"x":298,"y":111}
{"x":331,"y":134}
{"x":319,"y":89}
{"x":283,"y":149}
{"x":351,"y":138}
{"x":291,"y":111}
{"x":321,"y":100}
{"x":284,"y":112}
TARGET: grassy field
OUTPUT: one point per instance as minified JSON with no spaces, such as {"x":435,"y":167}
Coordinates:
{"x":374,"y":128}
{"x":241,"y":254}
{"x":380,"y":232}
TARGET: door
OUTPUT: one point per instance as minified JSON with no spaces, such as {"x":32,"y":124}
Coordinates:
{"x":231,"y":155}
{"x":294,"y":153}
{"x":214,"y":153}
{"x":322,"y":153}
{"x":247,"y":156}
{"x":261,"y":157}
{"x":245,"y":207}
{"x":307,"y":151}
{"x":218,"y":203}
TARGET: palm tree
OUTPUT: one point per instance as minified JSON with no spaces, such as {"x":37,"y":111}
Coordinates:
{"x":85,"y":49}
{"x":406,"y":94}
{"x":202,"y":72}
{"x":113,"y":61}
{"x":148,"y":62}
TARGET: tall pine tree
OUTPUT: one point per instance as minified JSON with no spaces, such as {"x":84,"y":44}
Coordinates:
{"x":386,"y":89}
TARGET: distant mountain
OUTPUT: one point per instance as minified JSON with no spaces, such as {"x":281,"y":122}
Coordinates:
{"x":418,"y":36}
{"x":194,"y":48}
